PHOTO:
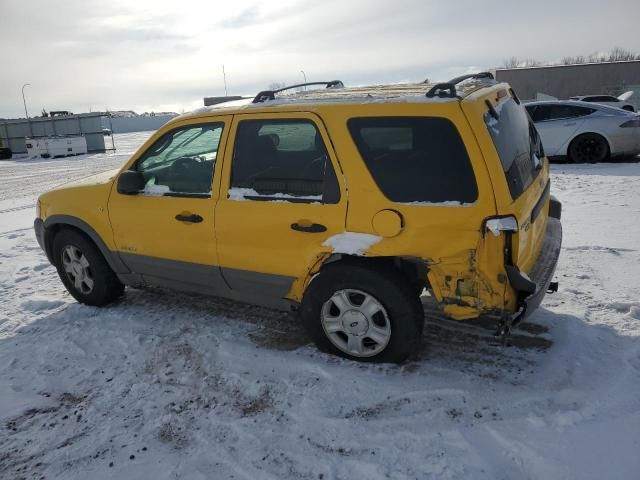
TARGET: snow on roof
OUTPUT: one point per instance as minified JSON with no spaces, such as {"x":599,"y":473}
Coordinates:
{"x":394,"y":93}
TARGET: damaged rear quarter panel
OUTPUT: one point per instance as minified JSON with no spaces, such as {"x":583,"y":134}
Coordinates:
{"x":448,"y":238}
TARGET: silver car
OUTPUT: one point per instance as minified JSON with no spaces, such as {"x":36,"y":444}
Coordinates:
{"x":585,"y":132}
{"x":608,"y":100}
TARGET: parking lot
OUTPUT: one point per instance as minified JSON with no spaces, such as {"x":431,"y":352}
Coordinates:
{"x":166,"y":385}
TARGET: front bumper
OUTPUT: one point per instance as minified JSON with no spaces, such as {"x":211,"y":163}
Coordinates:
{"x":38,"y":227}
{"x":534,"y":286}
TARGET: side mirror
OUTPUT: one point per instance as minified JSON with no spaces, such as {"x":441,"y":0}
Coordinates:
{"x":130,"y":182}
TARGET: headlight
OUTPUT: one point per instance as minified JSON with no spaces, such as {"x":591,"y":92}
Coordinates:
{"x":635,"y":123}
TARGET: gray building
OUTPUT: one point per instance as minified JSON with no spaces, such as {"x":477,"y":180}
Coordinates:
{"x":89,"y":125}
{"x":563,"y":81}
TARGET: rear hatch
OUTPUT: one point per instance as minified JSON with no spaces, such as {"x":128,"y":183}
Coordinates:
{"x":522,"y":166}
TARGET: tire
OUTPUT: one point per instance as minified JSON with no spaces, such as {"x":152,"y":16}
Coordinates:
{"x":395,"y":315}
{"x":84,"y":271}
{"x":588,"y":148}
{"x":418,"y":288}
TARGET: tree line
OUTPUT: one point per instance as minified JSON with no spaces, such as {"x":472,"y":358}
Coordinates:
{"x":617,"y":54}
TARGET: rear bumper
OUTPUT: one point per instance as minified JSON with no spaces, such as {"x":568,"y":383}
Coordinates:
{"x":545,"y":267}
{"x":534,"y":286}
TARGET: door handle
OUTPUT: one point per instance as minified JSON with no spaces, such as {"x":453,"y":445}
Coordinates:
{"x":570,"y":124}
{"x":191,"y":218}
{"x":308,"y":227}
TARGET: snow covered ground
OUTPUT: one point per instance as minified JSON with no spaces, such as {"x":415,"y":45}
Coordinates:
{"x":165,"y":385}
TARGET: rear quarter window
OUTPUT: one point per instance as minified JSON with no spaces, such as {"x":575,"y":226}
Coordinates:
{"x":416,"y":159}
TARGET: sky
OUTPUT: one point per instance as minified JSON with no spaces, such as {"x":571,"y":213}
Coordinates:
{"x":155,"y":55}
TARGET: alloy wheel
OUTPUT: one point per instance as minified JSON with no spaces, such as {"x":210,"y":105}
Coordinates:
{"x":356,"y":323}
{"x":77,"y":268}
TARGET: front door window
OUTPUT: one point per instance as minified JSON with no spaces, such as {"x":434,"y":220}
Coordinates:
{"x":181,"y":163}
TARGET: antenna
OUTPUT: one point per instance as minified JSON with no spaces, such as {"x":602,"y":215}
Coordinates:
{"x":224,"y":76}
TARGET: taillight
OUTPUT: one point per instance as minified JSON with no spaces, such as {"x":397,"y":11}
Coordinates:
{"x":635,"y":123}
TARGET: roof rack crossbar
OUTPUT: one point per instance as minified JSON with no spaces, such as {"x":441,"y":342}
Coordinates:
{"x":475,"y":76}
{"x":448,"y":89}
{"x":443,"y":90}
{"x":271,"y":94}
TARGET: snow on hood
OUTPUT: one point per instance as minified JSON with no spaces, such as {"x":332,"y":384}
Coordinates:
{"x":351,"y":243}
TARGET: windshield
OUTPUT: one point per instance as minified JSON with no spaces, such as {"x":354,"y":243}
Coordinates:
{"x":517,"y":142}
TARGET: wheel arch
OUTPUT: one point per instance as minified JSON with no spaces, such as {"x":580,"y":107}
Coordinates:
{"x":56,"y":223}
{"x":413,"y":269}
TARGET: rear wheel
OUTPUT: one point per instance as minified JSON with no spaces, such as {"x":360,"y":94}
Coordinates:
{"x":366,"y":314}
{"x":588,"y":148}
{"x":84,"y":271}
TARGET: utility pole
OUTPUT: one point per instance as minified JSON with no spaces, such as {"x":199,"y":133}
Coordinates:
{"x":304,"y":75}
{"x":224,"y":76}
{"x":26,"y":113}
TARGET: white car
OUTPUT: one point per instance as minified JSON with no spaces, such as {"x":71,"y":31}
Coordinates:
{"x":609,"y":100}
{"x":585,"y":132}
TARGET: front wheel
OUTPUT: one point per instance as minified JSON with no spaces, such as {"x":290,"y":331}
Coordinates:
{"x":366,"y":314}
{"x":84,"y":271}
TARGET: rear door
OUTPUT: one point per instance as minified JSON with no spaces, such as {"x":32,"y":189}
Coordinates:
{"x":280,"y":199}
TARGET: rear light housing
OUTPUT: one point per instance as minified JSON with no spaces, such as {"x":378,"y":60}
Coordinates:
{"x":497,"y":225}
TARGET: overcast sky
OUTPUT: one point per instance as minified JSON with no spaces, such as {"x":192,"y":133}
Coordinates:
{"x":158,"y":55}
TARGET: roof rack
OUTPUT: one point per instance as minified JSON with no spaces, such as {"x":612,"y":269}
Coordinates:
{"x":271,"y":94}
{"x":448,"y":89}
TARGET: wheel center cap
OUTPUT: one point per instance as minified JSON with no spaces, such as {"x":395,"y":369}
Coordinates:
{"x":355,"y":323}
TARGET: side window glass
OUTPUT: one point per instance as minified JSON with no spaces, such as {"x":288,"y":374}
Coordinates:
{"x":282,"y":160}
{"x":581,"y":111}
{"x":540,"y":113}
{"x":603,"y":98}
{"x":561,"y":112}
{"x":182,"y":162}
{"x":419,"y":160}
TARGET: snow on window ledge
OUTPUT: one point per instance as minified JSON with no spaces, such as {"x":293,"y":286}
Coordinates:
{"x":155,"y":190}
{"x":452,"y":203}
{"x":242,"y":194}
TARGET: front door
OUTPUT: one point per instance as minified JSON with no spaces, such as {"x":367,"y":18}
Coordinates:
{"x":280,"y":199}
{"x":165,"y":233}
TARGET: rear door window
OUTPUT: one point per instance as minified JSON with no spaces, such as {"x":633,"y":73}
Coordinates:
{"x":560,"y":112}
{"x":518,"y":144}
{"x":543,"y":113}
{"x":416,"y":159}
{"x":282,"y":159}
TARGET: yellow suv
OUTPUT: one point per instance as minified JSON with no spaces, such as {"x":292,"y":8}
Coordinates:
{"x":340,"y":203}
